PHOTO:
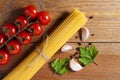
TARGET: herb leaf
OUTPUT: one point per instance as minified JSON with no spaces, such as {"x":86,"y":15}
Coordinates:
{"x":87,"y":55}
{"x":60,"y":66}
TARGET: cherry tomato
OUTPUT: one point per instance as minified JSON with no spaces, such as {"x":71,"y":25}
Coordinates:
{"x":13,"y":46}
{"x":9,"y":29}
{"x":31,"y":11}
{"x":24,"y":37}
{"x":21,"y":22}
{"x":3,"y":38}
{"x":4,"y":57}
{"x":43,"y":17}
{"x":35,"y":29}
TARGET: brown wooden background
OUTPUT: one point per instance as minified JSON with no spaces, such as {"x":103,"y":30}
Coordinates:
{"x":105,"y":25}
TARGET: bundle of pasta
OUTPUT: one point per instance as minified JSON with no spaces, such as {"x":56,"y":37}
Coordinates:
{"x":32,"y":63}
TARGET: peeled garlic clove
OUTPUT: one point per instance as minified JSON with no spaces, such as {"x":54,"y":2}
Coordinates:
{"x":85,"y":33}
{"x":74,"y":65}
{"x":67,"y":47}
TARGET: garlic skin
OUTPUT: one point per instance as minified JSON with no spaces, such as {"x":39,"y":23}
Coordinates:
{"x":85,"y":33}
{"x":67,"y":48}
{"x":74,"y":65}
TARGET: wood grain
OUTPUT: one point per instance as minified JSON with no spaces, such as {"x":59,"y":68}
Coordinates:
{"x":107,"y":69}
{"x":105,"y":25}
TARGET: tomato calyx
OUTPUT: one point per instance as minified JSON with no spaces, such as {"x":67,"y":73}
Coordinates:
{"x":1,"y":57}
{"x":18,"y":24}
{"x":23,"y":39}
{"x":11,"y":48}
{"x":6,"y":30}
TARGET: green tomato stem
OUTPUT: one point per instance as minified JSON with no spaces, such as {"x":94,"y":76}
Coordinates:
{"x":19,"y":30}
{"x":28,"y":18}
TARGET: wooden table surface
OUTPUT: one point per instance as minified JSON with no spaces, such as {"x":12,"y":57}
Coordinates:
{"x":105,"y":25}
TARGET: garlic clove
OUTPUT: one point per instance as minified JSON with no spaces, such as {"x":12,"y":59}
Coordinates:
{"x":74,"y":65}
{"x":67,"y":47}
{"x":85,"y":33}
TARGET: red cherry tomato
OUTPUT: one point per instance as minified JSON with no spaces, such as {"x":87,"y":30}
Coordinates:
{"x":9,"y":29}
{"x":3,"y":38}
{"x":21,"y":22}
{"x":13,"y":46}
{"x":4,"y":57}
{"x":31,"y":11}
{"x":43,"y":17}
{"x":24,"y":37}
{"x":35,"y":29}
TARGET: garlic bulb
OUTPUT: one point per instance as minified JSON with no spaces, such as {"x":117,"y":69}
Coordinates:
{"x":85,"y":33}
{"x":74,"y":65}
{"x":67,"y":47}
